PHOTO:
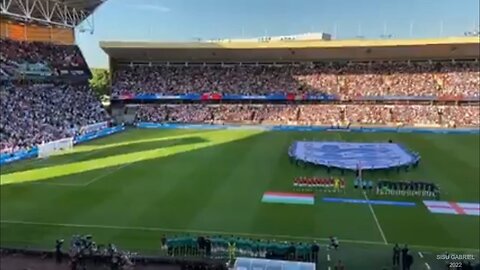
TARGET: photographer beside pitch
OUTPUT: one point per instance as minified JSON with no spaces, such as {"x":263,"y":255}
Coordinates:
{"x":58,"y":251}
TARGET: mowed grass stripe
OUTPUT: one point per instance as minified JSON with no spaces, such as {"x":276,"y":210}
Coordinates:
{"x":230,"y":185}
{"x":181,"y":186}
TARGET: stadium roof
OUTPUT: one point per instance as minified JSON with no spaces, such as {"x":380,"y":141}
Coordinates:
{"x":68,"y":13}
{"x":87,"y":5}
{"x":289,"y":51}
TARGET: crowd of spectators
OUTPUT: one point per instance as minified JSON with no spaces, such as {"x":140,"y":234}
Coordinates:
{"x":31,"y":115}
{"x":38,"y":56}
{"x":344,"y":80}
{"x":324,"y":114}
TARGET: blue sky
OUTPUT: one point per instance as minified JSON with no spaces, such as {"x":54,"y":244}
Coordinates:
{"x":186,"y":20}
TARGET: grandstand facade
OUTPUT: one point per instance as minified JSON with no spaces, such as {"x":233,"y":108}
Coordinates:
{"x":394,"y":82}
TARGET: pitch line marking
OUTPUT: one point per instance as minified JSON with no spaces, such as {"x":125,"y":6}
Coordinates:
{"x":328,"y":257}
{"x":95,"y":179}
{"x":173,"y":230}
{"x":48,"y":161}
{"x":52,"y":184}
{"x":376,"y":219}
{"x":428,"y":266}
{"x":84,"y":184}
{"x":19,"y":222}
{"x":420,"y":254}
{"x":121,"y":167}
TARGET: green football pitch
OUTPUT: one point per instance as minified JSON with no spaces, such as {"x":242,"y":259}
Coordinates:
{"x":133,"y":187}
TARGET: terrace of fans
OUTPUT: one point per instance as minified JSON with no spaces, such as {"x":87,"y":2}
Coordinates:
{"x":445,"y":69}
{"x":44,"y":96}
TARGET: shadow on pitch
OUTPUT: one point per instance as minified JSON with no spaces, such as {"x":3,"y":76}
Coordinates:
{"x":100,"y":153}
{"x":175,"y":186}
{"x":131,"y":135}
{"x":202,"y":158}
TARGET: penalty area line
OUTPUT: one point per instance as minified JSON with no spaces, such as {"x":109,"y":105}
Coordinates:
{"x":95,"y":179}
{"x":91,"y":181}
{"x":123,"y":166}
{"x":157,"y":229}
{"x":51,"y":184}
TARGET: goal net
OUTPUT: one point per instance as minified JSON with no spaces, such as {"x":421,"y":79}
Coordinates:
{"x":53,"y":147}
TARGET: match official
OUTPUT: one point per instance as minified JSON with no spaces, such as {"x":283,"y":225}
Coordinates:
{"x":396,"y":255}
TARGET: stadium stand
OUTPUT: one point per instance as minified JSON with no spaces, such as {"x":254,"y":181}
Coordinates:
{"x":23,"y":59}
{"x":344,"y":80}
{"x":34,"y":114}
{"x":44,"y":94}
{"x":325,"y":114}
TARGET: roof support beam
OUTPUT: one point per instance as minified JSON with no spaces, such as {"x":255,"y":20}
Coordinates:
{"x":5,"y":5}
{"x":44,"y":11}
{"x":22,"y":7}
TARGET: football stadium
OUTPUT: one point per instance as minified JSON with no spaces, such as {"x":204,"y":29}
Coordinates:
{"x":298,"y":152}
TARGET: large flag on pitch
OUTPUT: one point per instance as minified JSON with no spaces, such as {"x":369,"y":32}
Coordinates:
{"x":453,"y":208}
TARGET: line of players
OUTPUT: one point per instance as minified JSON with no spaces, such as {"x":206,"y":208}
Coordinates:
{"x":408,"y":188}
{"x":327,"y":184}
{"x":383,"y":187}
{"x":402,"y":188}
